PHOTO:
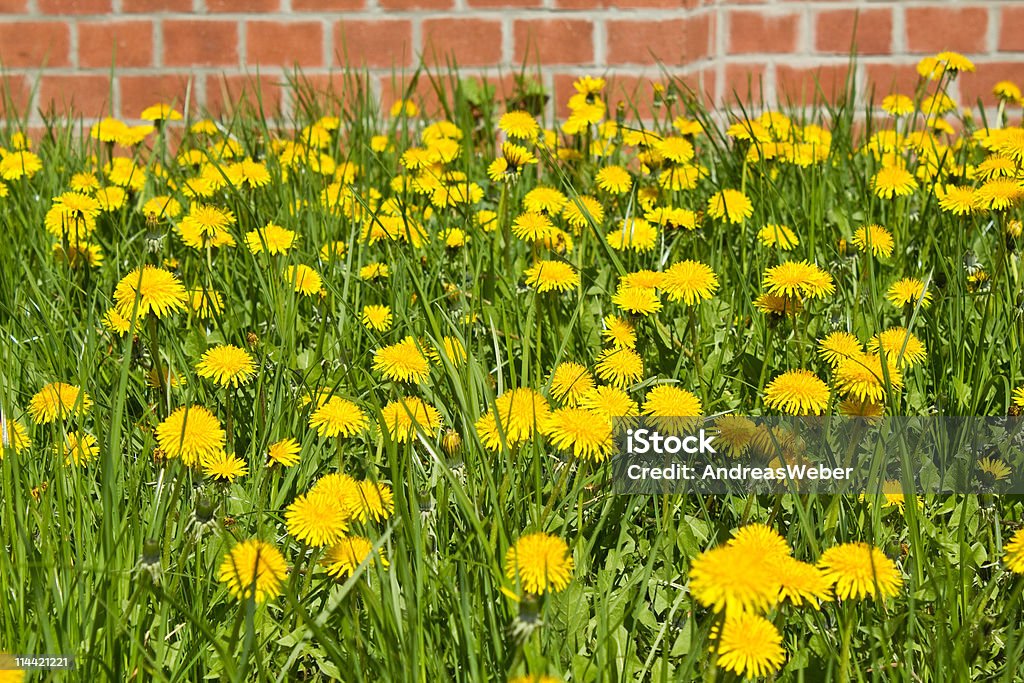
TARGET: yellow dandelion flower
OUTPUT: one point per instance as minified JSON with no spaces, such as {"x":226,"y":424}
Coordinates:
{"x":863,"y":377}
{"x":253,"y":569}
{"x":637,"y":300}
{"x":586,"y":433}
{"x":874,"y":238}
{"x":634,"y":234}
{"x":58,"y":400}
{"x":899,"y":344}
{"x":80,"y":448}
{"x":347,"y":554}
{"x":303,"y":279}
{"x":610,"y":402}
{"x":798,"y":279}
{"x":893,"y":181}
{"x":671,"y":409}
{"x":619,"y":332}
{"x":317,"y":519}
{"x":405,"y":418}
{"x":284,"y":452}
{"x":614,"y":180}
{"x":375,"y":271}
{"x":513,"y":419}
{"x":223,"y":466}
{"x":773,"y":235}
{"x":227,"y":365}
{"x":339,"y":417}
{"x":13,"y":436}
{"x":797,"y":392}
{"x":190,"y":433}
{"x":1014,"y":557}
{"x":377,"y":501}
{"x":732,"y":580}
{"x":377,"y":318}
{"x":540,"y":563}
{"x":149,"y":290}
{"x":558,"y":276}
{"x":908,"y":292}
{"x":732,"y":205}
{"x":749,"y":646}
{"x":690,"y":282}
{"x":857,"y":570}
{"x":620,"y":366}
{"x":272,"y":237}
{"x":403,"y":361}
{"x":898,"y":105}
{"x":839,"y":346}
{"x":569,"y":382}
{"x":583,"y":210}
{"x":1000,"y":194}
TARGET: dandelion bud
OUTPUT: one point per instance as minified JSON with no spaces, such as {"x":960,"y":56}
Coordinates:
{"x":451,"y":442}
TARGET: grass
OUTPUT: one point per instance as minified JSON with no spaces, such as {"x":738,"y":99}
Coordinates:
{"x":112,"y":562}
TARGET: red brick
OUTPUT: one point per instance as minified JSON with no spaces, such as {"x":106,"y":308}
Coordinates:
{"x":74,"y":6}
{"x":800,"y":86}
{"x":146,"y":6}
{"x":753,"y":31}
{"x":504,"y":3}
{"x":625,"y":4}
{"x":122,"y":43}
{"x":284,"y":43}
{"x":743,"y":83}
{"x":320,"y":5}
{"x":415,"y":4}
{"x":647,"y":42}
{"x":35,"y":44}
{"x":889,"y":79}
{"x":554,"y":41}
{"x":139,"y":92}
{"x":243,"y":6}
{"x":225,"y":94}
{"x":381,"y":43}
{"x":13,"y":6}
{"x":932,"y":29}
{"x":82,"y":94}
{"x":834,"y":31}
{"x":17,"y":94}
{"x":980,"y":83}
{"x":200,"y":43}
{"x":470,"y":42}
{"x":1011,"y":37}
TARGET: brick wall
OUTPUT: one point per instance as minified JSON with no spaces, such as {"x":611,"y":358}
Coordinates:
{"x":59,"y":52}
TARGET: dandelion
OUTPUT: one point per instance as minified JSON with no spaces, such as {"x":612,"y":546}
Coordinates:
{"x":541,"y":563}
{"x":749,"y":645}
{"x":857,"y":570}
{"x":898,"y":105}
{"x":670,"y":408}
{"x":80,"y":448}
{"x":798,"y":279}
{"x":582,"y":211}
{"x":375,"y":271}
{"x":1014,"y":556}
{"x":223,"y":466}
{"x":797,"y":392}
{"x":13,"y":436}
{"x":284,"y":452}
{"x":909,"y":292}
{"x":272,"y":237}
{"x":839,"y":346}
{"x":899,"y":344}
{"x":149,"y":290}
{"x":773,"y":235}
{"x":253,"y":569}
{"x":586,"y":433}
{"x":546,"y":276}
{"x":376,"y":318}
{"x":800,"y":582}
{"x":227,"y":365}
{"x":338,"y":417}
{"x":402,"y":361}
{"x":874,"y":238}
{"x":514,"y":418}
{"x":190,"y":433}
{"x":690,"y":282}
{"x":732,"y":580}
{"x":377,"y":501}
{"x":863,"y":377}
{"x":1000,"y":194}
{"x":619,"y":332}
{"x":303,"y":279}
{"x":570,"y":382}
{"x":317,"y":519}
{"x":519,"y":124}
{"x":893,"y":181}
{"x":637,"y":300}
{"x":406,"y":417}
{"x":614,"y":180}
{"x":635,"y":234}
{"x":348,"y":554}
{"x":959,"y":201}
{"x":732,"y":205}
{"x":58,"y":400}
{"x":620,"y":367}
